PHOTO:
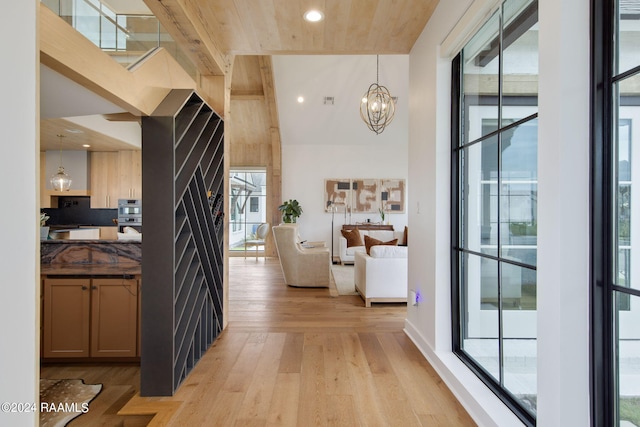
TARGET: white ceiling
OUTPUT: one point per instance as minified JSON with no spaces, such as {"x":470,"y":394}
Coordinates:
{"x":346,"y":78}
{"x":62,"y":97}
{"x":128,"y":132}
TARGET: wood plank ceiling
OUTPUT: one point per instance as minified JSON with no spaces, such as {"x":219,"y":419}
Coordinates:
{"x":226,"y":36}
{"x":270,"y":27}
{"x":235,"y":38}
{"x":219,"y":36}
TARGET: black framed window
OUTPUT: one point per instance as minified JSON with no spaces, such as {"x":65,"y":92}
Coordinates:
{"x":254,"y":204}
{"x":248,"y":195}
{"x":494,"y":203}
{"x":615,"y":218}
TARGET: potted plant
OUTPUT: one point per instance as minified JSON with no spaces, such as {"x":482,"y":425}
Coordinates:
{"x":381,"y":214}
{"x":291,"y":210}
{"x":44,"y":229}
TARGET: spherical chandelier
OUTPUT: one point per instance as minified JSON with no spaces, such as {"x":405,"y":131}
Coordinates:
{"x":377,"y":107}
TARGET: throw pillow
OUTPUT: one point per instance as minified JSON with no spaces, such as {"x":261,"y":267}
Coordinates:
{"x":353,"y":237}
{"x":370,"y":241}
{"x":405,"y":237}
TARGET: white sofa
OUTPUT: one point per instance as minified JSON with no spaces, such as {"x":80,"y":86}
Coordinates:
{"x":382,"y":276}
{"x":347,"y":255}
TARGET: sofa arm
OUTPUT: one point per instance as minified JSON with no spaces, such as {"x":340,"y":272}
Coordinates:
{"x":360,"y":271}
{"x":342,"y":247}
{"x":381,"y":277}
{"x":314,"y":268}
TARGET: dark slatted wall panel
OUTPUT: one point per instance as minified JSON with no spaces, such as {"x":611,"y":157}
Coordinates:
{"x":183,"y":184}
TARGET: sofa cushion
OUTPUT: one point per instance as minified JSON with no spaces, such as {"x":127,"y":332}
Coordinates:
{"x":353,"y":237}
{"x":382,"y":235}
{"x":353,"y":249}
{"x":387,"y":251}
{"x":370,"y":241}
{"x":405,"y":237}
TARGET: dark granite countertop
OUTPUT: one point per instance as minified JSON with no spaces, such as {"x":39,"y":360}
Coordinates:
{"x":132,"y":269}
{"x":90,"y":257}
{"x":92,"y":241}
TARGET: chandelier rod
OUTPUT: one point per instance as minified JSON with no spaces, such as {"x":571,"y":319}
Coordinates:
{"x":60,"y":136}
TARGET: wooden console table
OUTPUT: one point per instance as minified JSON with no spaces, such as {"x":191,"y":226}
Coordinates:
{"x":366,"y":226}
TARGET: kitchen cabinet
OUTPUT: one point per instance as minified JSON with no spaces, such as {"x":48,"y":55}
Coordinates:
{"x":130,"y":174}
{"x":115,"y":175}
{"x":108,"y":233}
{"x":90,"y":317}
{"x":104,"y":179}
{"x":66,"y":317}
{"x":114,"y":317}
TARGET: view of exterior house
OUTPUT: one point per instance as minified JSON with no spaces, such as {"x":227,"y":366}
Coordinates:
{"x":247,"y":206}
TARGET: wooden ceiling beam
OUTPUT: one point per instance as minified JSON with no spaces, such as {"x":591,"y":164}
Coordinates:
{"x":183,"y":20}
{"x":69,"y":53}
{"x":138,"y":91}
{"x":122,"y":117}
{"x":268,"y":87}
{"x":238,"y":95}
{"x":214,"y":90}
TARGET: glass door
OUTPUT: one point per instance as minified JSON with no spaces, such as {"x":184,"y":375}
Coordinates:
{"x":248,"y":192}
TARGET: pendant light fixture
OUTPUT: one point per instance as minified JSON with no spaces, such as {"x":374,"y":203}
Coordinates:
{"x":377,"y":107}
{"x":61,"y":181}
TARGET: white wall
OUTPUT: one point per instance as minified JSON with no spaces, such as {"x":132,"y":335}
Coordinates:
{"x":331,"y":141}
{"x":19,"y":371}
{"x":563,"y":288}
{"x":563,"y":214}
{"x":345,"y":78}
{"x":305,"y":167}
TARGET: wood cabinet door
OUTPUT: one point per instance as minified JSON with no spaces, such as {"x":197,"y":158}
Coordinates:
{"x":104,"y":179}
{"x":139,"y":318}
{"x":114,"y":317}
{"x":65,"y":320}
{"x":130,"y":164}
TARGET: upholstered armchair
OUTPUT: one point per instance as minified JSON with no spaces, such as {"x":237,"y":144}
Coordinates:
{"x":302,"y":267}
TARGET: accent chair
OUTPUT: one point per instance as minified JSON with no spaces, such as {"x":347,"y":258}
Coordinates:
{"x":301,"y":266}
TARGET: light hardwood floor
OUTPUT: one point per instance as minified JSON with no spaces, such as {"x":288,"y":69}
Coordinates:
{"x":289,"y":357}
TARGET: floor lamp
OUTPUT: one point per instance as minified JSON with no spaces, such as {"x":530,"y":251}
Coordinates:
{"x":333,"y":212}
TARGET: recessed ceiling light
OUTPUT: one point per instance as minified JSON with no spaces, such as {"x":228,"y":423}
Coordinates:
{"x":300,"y":99}
{"x":86,"y":145}
{"x":313,"y":15}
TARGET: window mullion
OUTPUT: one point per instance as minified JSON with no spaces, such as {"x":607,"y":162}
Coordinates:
{"x":499,"y":194}
{"x":603,"y":57}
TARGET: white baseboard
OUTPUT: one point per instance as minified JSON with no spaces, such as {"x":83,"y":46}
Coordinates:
{"x":477,"y":399}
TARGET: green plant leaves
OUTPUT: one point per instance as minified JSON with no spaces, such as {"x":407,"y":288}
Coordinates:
{"x":291,"y":210}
